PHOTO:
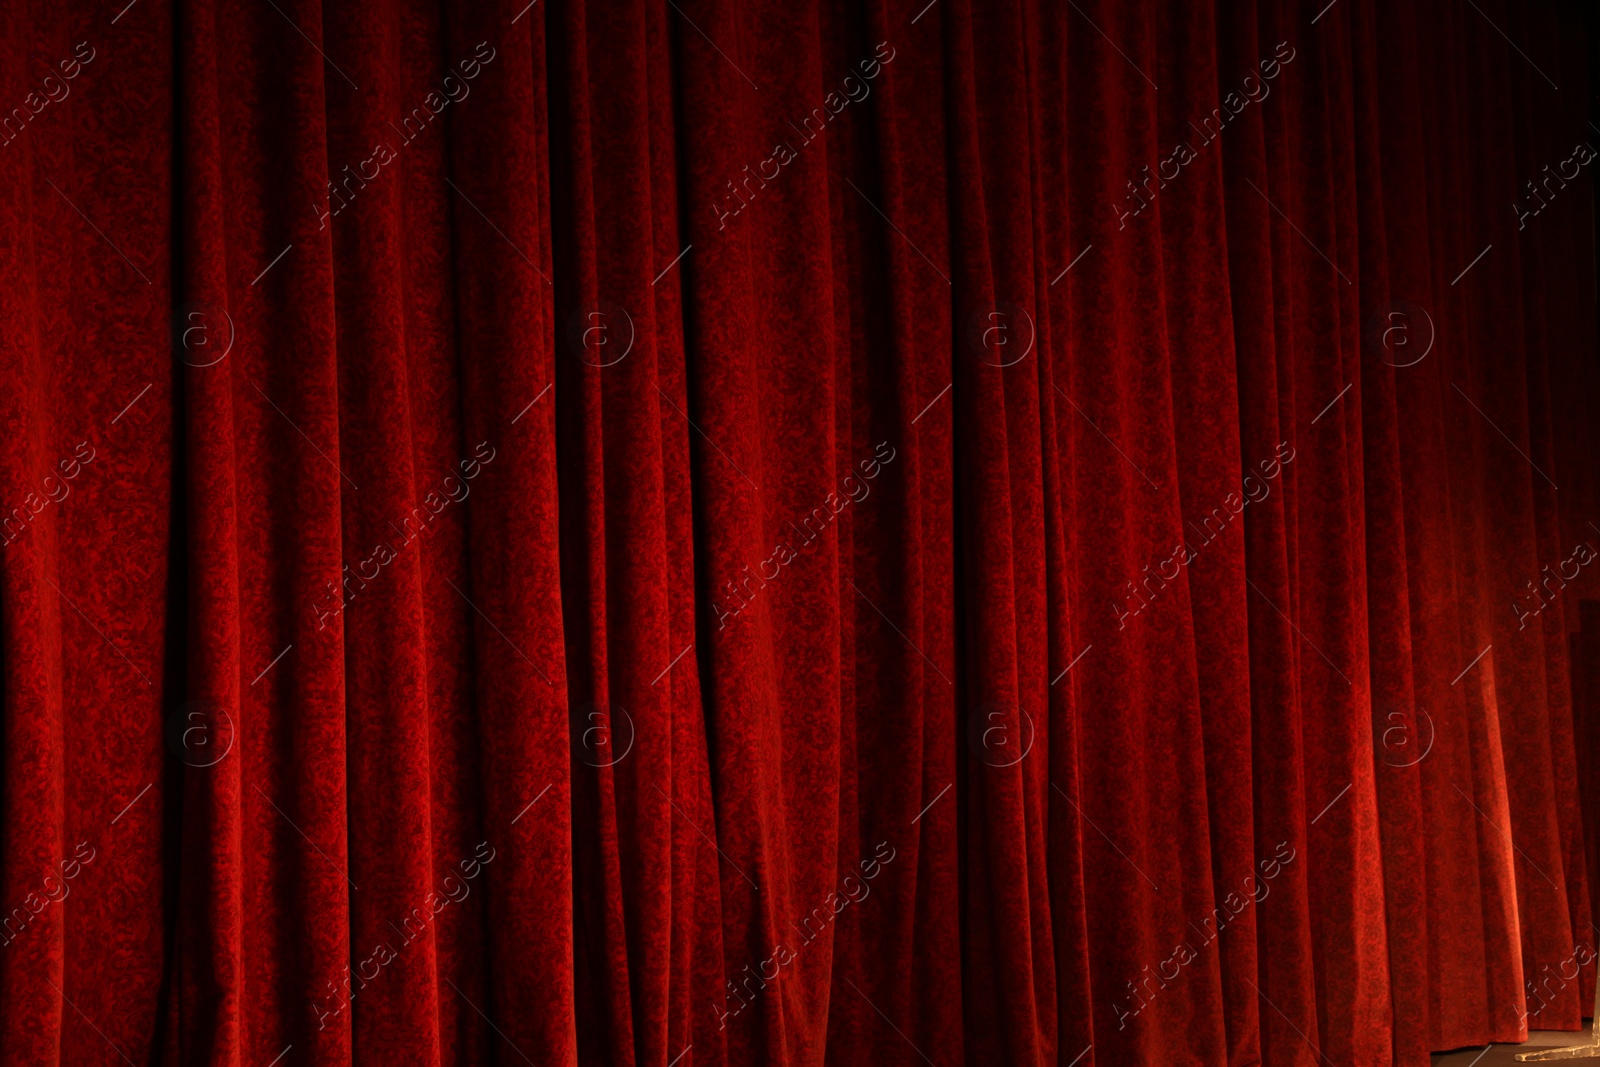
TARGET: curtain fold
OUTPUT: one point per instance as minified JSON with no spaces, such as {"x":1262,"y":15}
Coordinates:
{"x":620,"y":532}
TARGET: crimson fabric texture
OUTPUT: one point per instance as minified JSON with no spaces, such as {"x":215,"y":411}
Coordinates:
{"x":601,"y":531}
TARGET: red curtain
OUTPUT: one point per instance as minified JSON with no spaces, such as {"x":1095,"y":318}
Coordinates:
{"x":709,"y":533}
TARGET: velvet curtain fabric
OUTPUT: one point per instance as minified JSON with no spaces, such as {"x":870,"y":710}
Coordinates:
{"x":705,"y":533}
